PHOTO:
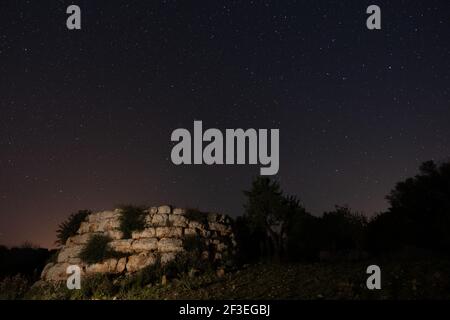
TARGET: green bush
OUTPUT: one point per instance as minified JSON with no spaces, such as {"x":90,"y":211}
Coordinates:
{"x":132,"y":218}
{"x":70,"y":227}
{"x":97,"y":250}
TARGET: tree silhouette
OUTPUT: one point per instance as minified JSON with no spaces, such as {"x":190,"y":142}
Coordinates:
{"x":265,"y":214}
{"x":422,"y":204}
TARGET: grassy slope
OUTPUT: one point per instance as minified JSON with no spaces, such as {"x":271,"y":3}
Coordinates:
{"x":408,"y":280}
{"x":428,"y":279}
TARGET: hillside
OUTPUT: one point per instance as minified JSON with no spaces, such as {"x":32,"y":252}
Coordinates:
{"x":404,"y":280}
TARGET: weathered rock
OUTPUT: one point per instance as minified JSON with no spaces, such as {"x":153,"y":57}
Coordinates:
{"x":195,"y":224}
{"x":78,"y":239}
{"x":147,"y":244}
{"x":153,"y":210}
{"x":146,"y":233}
{"x":205,"y":233}
{"x":139,"y":261}
{"x":69,"y":252}
{"x":167,"y":257}
{"x":103,"y":215}
{"x":179,"y":211}
{"x":164,"y":235}
{"x":123,"y":246}
{"x":121,"y":265}
{"x":169,"y":232}
{"x":215,"y":226}
{"x":177,"y":220}
{"x":57,"y":272}
{"x":164,"y":209}
{"x":160,"y":219}
{"x":190,"y":232}
{"x":221,"y":247}
{"x":46,"y":269}
{"x":114,"y":234}
{"x":107,"y":266}
{"x":170,"y":245}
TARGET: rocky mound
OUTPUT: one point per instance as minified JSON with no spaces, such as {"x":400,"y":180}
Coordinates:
{"x":163,"y":237}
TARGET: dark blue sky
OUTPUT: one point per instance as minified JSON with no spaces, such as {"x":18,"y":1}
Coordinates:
{"x":86,"y":116}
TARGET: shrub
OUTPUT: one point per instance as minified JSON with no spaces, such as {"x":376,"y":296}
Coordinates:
{"x":148,"y":275}
{"x":196,"y":215}
{"x":98,"y":286}
{"x":96,"y":250}
{"x":70,"y":227}
{"x":15,"y":287}
{"x":193,"y":243}
{"x":132,"y":218}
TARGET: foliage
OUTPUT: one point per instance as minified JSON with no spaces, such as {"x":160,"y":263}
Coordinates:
{"x":70,"y":227}
{"x":28,"y":261}
{"x":422,"y":204}
{"x":343,"y":230}
{"x":196,"y":215}
{"x":132,"y":218}
{"x":265,"y":213}
{"x":14,"y":287}
{"x":97,"y":250}
{"x":98,"y":286}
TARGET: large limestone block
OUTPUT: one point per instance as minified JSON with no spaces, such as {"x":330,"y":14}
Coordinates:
{"x":146,"y":244}
{"x":179,"y":211}
{"x":222,"y":228}
{"x":139,"y":261}
{"x":121,"y":265}
{"x":103,"y":215}
{"x":114,"y":234}
{"x":170,"y":245}
{"x":55,"y":272}
{"x":196,"y":224}
{"x":164,"y":209}
{"x":153,"y":210}
{"x":99,"y":226}
{"x":123,"y":245}
{"x":177,"y":220}
{"x":78,"y":239}
{"x":107,"y":266}
{"x":69,"y":252}
{"x":190,"y":232}
{"x":169,"y":232}
{"x":146,"y":233}
{"x":160,"y":219}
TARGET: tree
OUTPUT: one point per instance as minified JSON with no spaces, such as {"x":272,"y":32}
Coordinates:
{"x":422,"y":203}
{"x":272,"y":217}
{"x":343,"y":230}
{"x":265,"y":212}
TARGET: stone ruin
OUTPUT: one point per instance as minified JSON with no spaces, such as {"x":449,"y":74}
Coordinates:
{"x":166,"y":230}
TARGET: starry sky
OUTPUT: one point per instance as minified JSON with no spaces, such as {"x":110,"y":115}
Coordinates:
{"x":86,"y":116}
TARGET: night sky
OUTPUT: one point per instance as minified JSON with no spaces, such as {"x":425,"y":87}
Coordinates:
{"x":86,"y":116}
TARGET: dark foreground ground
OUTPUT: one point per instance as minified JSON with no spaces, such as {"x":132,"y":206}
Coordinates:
{"x":424,"y":279}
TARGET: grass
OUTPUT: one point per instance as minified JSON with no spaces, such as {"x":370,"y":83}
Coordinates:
{"x":422,"y":279}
